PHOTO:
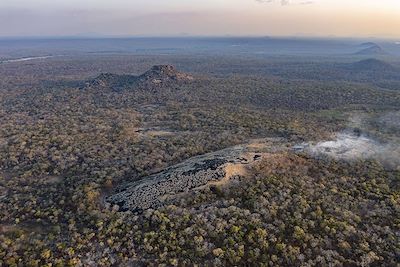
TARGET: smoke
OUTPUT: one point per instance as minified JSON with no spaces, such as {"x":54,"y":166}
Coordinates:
{"x":352,"y":147}
{"x":354,"y":144}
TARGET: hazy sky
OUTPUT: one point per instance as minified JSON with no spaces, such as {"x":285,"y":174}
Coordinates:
{"x":350,"y":18}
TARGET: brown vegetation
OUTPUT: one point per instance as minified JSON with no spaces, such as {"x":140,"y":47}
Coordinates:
{"x":62,"y":148}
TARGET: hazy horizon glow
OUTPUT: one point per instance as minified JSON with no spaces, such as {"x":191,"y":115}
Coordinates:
{"x":341,"y":18}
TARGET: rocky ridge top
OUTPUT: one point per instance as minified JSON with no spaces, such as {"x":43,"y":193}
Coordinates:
{"x":157,"y":76}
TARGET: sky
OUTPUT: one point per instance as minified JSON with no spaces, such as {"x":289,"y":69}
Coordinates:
{"x":314,"y":18}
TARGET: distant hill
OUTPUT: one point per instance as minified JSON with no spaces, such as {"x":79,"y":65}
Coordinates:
{"x":110,"y":80}
{"x":370,"y":71}
{"x":371,"y":65}
{"x":157,"y":76}
{"x":368,"y":44}
{"x":374,"y":71}
{"x":370,"y":49}
{"x":162,"y":74}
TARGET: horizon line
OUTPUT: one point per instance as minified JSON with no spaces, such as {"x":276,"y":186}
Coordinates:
{"x":188,"y":36}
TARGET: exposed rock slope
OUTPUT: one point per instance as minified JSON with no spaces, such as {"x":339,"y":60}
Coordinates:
{"x":212,"y":168}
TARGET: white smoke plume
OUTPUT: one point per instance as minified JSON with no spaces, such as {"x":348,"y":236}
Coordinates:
{"x":355,"y":145}
{"x":352,"y":147}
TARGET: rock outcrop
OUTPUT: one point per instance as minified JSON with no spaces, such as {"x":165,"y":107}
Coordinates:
{"x":162,"y":74}
{"x":157,"y":76}
{"x":208,"y":169}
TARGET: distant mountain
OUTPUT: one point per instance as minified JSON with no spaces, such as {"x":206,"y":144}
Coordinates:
{"x":370,"y":49}
{"x":157,"y":76}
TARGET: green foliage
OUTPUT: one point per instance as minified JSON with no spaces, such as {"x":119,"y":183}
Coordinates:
{"x":62,"y":149}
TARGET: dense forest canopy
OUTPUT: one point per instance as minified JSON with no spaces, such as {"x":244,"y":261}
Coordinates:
{"x":74,"y":129}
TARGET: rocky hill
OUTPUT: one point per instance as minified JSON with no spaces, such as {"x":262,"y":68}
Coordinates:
{"x":163,"y":74}
{"x":157,"y":76}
